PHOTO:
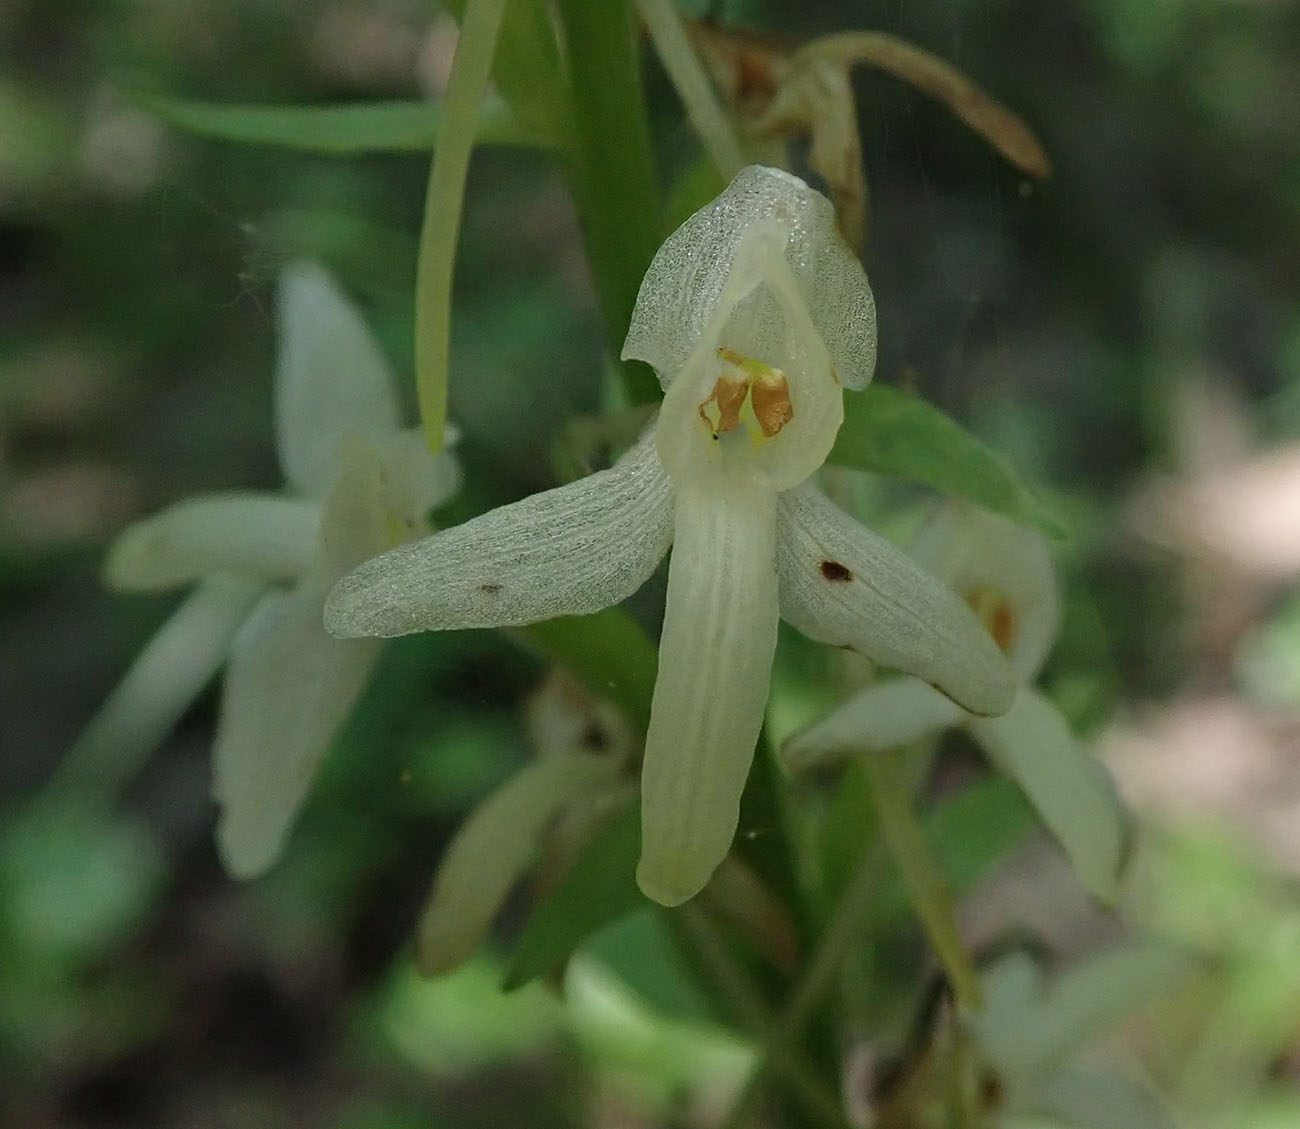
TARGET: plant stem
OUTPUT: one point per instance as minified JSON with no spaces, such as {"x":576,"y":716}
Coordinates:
{"x":442,"y":209}
{"x":734,"y":984}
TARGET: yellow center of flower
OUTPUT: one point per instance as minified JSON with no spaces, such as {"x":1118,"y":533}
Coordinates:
{"x":997,"y":614}
{"x":747,"y":392}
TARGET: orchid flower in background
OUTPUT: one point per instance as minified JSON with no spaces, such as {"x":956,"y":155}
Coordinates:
{"x":584,"y":773}
{"x":755,"y":315}
{"x":264,"y":563}
{"x":1005,"y":572}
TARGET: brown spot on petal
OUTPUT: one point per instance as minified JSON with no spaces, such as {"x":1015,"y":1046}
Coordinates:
{"x":836,"y":572}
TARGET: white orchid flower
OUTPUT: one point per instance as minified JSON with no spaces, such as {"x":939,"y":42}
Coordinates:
{"x":583,"y":774}
{"x":1005,"y":572}
{"x":357,"y":484}
{"x":755,"y":315}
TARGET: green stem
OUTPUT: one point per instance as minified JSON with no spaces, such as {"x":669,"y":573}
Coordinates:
{"x":892,"y":792}
{"x":841,"y":932}
{"x":442,"y":210}
{"x":664,"y":23}
{"x":733,"y":983}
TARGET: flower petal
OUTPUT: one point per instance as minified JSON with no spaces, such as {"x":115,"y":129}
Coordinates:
{"x":760,"y":317}
{"x":972,"y":550}
{"x":842,"y":584}
{"x":416,"y":479}
{"x":715,"y":665}
{"x":261,"y":536}
{"x":289,"y":685}
{"x":688,"y":275}
{"x":161,"y":684}
{"x":1068,"y":786}
{"x":568,"y":551}
{"x":493,"y":849}
{"x":331,"y":379}
{"x":884,"y":716}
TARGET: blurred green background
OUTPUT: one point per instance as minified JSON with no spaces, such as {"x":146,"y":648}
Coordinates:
{"x":1128,"y":333}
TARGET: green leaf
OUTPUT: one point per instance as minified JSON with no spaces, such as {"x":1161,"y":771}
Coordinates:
{"x":892,"y":432}
{"x":613,"y":174}
{"x":971,"y":831}
{"x":640,"y":949}
{"x":607,"y":652}
{"x":345,"y":128}
{"x":598,"y":889}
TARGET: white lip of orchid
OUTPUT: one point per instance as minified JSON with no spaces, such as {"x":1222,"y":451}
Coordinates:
{"x":756,"y":293}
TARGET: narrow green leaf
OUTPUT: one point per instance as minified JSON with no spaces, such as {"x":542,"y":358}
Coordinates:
{"x":470,"y":70}
{"x":891,"y":432}
{"x":344,"y":128}
{"x":598,"y":889}
{"x":613,"y":173}
{"x":607,"y":652}
{"x":921,"y":875}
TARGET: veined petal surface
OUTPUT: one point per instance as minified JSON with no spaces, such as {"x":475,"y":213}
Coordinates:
{"x":568,"y":551}
{"x":261,"y":536}
{"x":884,"y":716}
{"x":715,"y":665}
{"x":331,"y":379}
{"x":289,"y":685}
{"x":494,"y":848}
{"x":844,"y":585}
{"x":686,"y":280}
{"x":1070,"y":789}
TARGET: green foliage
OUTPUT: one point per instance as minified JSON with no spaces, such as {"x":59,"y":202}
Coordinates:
{"x":598,"y":889}
{"x":888,"y":431}
{"x":363,"y":127}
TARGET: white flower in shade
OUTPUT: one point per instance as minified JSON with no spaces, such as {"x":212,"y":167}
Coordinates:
{"x":264,"y":562}
{"x":582,"y":775}
{"x":755,"y":315}
{"x":1005,"y":572}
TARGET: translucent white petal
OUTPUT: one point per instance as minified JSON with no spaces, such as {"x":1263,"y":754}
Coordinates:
{"x":884,"y":716}
{"x":289,"y":685}
{"x":687,"y":277}
{"x":715,"y":664}
{"x":568,"y":551}
{"x":492,"y":851}
{"x":161,"y":684}
{"x":417,"y":480}
{"x":760,"y":316}
{"x":842,"y":584}
{"x":260,"y":536}
{"x":970,"y":550}
{"x":331,"y":378}
{"x":1071,"y":790}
